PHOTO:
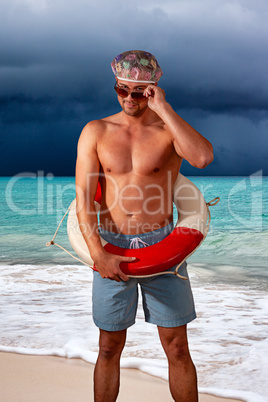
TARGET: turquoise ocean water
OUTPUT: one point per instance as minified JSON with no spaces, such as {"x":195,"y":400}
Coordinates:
{"x":46,"y":296}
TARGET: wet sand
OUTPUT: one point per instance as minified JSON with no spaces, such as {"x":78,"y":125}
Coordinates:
{"x":27,"y":378}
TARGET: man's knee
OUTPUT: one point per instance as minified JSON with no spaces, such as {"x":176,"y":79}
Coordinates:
{"x":111,"y":343}
{"x":175,"y":343}
{"x":178,"y":351}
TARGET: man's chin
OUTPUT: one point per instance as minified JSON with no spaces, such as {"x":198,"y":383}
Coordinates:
{"x":133,"y":111}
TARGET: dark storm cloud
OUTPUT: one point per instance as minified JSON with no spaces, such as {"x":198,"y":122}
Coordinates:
{"x":55,"y":67}
{"x":212,"y":53}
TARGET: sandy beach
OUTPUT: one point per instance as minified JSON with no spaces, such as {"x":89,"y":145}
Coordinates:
{"x":27,"y":378}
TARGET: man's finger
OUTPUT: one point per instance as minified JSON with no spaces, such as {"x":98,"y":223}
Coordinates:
{"x":116,"y":278}
{"x":128,"y":259}
{"x":123,"y":276}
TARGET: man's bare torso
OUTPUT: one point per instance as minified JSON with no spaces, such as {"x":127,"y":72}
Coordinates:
{"x":138,"y":167}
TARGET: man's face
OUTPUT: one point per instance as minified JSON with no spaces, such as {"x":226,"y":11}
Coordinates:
{"x":132,"y":107}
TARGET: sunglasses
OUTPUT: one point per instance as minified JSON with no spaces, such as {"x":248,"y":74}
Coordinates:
{"x":123,"y":93}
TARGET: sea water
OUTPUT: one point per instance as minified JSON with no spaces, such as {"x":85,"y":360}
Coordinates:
{"x":45,"y":303}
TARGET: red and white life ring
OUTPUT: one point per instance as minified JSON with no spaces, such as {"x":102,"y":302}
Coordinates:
{"x":189,"y":232}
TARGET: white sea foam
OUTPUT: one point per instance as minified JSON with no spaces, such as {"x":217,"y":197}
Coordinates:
{"x":47,"y":311}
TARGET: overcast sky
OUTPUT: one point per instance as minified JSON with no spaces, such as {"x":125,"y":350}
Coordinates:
{"x":55,"y":75}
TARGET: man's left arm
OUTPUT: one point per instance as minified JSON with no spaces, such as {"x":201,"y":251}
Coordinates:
{"x":189,"y":144}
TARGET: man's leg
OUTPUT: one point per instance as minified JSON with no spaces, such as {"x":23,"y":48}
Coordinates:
{"x":107,"y":369}
{"x":182,"y":373}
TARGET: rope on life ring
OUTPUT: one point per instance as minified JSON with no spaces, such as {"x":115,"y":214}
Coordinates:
{"x":52,"y":242}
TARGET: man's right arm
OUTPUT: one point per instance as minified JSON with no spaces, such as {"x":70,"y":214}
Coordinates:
{"x":87,"y":176}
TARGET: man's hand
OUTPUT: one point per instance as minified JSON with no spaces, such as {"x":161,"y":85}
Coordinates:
{"x":156,"y":97}
{"x":108,"y":266}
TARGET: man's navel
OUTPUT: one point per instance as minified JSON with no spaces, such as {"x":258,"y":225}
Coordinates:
{"x":132,"y":216}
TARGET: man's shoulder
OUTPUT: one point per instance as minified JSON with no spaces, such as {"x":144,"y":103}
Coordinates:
{"x":100,"y":125}
{"x":94,"y":126}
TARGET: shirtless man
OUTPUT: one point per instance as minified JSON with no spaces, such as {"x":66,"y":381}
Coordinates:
{"x":134,"y":154}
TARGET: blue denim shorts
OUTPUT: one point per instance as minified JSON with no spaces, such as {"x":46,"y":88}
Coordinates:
{"x":167,"y":300}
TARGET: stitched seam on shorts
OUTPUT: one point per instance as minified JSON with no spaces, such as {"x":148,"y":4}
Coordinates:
{"x":175,"y":322}
{"x":112,"y":327}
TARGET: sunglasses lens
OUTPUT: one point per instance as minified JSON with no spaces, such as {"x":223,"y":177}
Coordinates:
{"x":124,"y":93}
{"x":137,"y":95}
{"x":121,"y":92}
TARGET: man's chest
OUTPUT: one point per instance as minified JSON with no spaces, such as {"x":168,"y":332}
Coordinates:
{"x":143,"y":154}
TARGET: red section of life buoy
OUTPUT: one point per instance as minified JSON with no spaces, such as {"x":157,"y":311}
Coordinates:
{"x":159,"y":257}
{"x":98,"y":194}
